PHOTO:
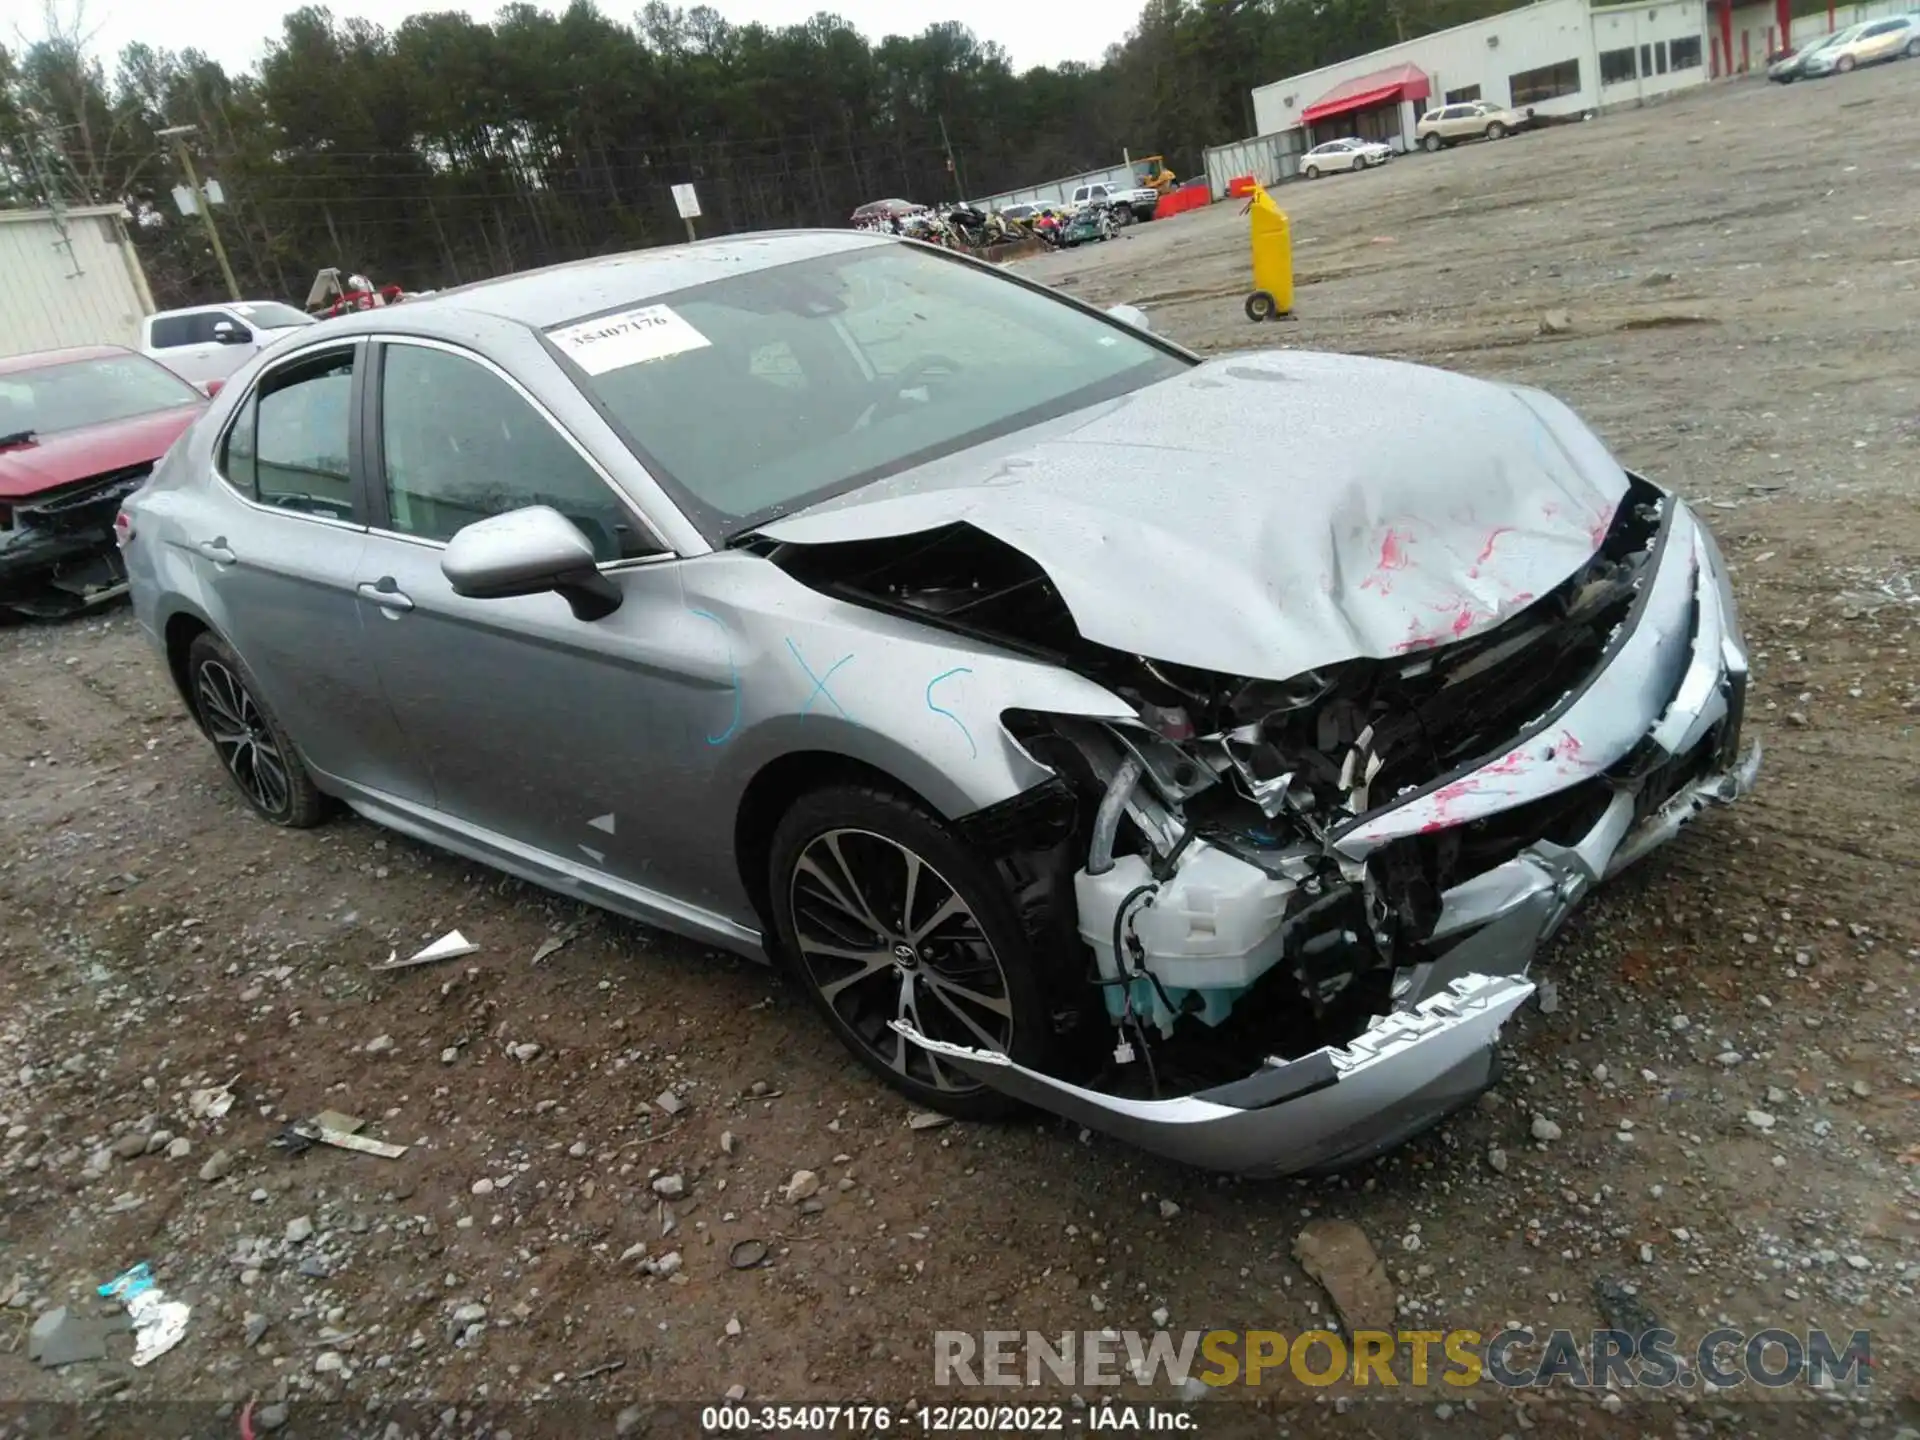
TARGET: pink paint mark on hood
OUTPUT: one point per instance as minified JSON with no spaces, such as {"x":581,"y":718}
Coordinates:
{"x":1393,"y":556}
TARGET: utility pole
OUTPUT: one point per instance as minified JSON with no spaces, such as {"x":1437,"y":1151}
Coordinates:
{"x":178,"y":134}
{"x":952,"y":169}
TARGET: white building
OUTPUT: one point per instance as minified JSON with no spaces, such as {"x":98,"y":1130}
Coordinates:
{"x":1558,"y":57}
{"x":70,"y":279}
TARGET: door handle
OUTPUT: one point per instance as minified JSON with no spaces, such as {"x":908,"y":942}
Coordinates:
{"x":386,"y":594}
{"x":217,"y":551}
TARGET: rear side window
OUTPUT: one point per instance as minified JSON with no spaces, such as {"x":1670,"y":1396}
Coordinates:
{"x":288,"y":447}
{"x":168,"y":332}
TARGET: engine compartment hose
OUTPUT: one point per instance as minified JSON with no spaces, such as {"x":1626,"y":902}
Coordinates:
{"x":1106,"y":821}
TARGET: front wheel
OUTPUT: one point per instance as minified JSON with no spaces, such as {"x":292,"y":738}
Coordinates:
{"x":1431,"y":144}
{"x":1496,"y":130}
{"x":1312,"y":172}
{"x":1912,"y":52}
{"x":1845,"y":65}
{"x":885,"y":915}
{"x":259,"y":759}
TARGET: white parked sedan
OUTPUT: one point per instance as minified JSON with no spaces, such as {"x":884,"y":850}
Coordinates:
{"x":1348,"y":154}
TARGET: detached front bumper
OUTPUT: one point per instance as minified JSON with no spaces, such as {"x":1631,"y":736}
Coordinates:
{"x":1654,"y":735}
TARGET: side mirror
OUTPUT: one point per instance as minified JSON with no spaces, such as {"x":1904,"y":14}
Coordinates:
{"x":1131,"y":315}
{"x":529,"y":552}
{"x":228,"y":333}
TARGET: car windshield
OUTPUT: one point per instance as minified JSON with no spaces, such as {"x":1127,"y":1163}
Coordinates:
{"x":761,"y":393}
{"x":88,"y":392}
{"x":272,"y":315}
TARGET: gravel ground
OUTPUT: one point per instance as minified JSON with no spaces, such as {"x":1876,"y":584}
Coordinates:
{"x":1714,"y":1114}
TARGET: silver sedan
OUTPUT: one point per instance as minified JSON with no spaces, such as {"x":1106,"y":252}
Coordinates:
{"x":1156,"y":741}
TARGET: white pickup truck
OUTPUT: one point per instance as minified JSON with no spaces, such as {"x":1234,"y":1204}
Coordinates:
{"x":1137,"y":203}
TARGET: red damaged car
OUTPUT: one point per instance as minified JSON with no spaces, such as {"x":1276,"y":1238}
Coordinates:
{"x":79,"y":432}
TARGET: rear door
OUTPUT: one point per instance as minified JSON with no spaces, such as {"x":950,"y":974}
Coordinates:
{"x":183,"y":342}
{"x":1883,"y":39}
{"x":277,"y":544}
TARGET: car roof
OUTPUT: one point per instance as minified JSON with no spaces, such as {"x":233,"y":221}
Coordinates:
{"x":38,"y":359}
{"x":578,"y":288}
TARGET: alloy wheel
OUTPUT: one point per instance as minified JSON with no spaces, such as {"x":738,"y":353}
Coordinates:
{"x":242,"y":738}
{"x":883,"y":936}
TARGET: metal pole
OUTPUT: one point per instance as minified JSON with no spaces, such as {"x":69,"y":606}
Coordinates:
{"x":691,"y":237}
{"x":179,"y":135}
{"x":952,"y":169}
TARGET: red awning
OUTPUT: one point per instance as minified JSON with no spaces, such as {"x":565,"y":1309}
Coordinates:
{"x":1402,"y":82}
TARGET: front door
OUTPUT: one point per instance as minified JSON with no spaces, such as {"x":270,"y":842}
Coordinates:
{"x":564,"y":735}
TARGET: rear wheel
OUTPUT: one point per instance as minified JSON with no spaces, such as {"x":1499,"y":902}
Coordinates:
{"x":1496,"y":130}
{"x":1912,"y":52}
{"x":259,"y":759}
{"x":885,"y":915}
{"x":1312,"y":172}
{"x":1846,"y":64}
{"x":1431,"y":144}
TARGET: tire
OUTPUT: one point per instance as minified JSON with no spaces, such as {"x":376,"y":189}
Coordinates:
{"x":1312,"y":172}
{"x":1844,"y":64}
{"x":259,"y":760}
{"x":872,"y":840}
{"x":1261,"y":306}
{"x":1432,"y":144}
{"x":1496,"y":130}
{"x":1912,"y":52}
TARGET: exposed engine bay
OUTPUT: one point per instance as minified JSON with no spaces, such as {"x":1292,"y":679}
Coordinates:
{"x":1228,"y":926}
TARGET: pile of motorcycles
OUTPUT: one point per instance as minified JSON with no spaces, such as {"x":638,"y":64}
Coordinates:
{"x":965,"y":227}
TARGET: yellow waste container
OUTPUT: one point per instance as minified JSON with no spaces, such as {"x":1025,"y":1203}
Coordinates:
{"x":1272,"y":241}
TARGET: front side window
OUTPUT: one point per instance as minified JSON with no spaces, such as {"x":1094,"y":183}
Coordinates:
{"x":289,"y":444}
{"x":78,"y":393}
{"x":459,"y":444}
{"x":887,"y":356}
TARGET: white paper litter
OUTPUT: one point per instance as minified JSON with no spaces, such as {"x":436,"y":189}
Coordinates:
{"x":450,"y":946}
{"x":214,"y":1101}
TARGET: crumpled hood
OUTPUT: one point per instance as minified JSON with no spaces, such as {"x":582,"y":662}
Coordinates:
{"x":1269,"y":513}
{"x":50,"y":461}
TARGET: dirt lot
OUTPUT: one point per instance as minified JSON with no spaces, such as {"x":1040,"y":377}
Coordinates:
{"x":1731,"y":1063}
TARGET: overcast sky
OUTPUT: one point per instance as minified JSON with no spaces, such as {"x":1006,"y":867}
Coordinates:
{"x":1034,"y":32}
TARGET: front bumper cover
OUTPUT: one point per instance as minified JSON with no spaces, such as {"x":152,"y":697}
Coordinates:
{"x":1666,"y":701}
{"x":57,"y":551}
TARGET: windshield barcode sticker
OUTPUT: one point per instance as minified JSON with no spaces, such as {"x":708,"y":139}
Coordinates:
{"x":614,"y":342}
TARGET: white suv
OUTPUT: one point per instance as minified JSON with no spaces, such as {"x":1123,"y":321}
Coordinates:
{"x":205,"y":343}
{"x":1451,"y":124}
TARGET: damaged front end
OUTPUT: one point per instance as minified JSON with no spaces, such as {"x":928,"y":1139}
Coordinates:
{"x":57,"y":551}
{"x":1310,"y":904}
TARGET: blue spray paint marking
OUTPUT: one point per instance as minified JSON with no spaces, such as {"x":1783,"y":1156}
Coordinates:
{"x":733,"y":678}
{"x":819,"y":681}
{"x":948,"y":675}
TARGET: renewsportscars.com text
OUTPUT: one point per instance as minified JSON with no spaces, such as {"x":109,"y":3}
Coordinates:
{"x":1653,"y":1359}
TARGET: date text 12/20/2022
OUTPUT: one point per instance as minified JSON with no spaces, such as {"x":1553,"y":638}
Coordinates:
{"x":860,"y":1419}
